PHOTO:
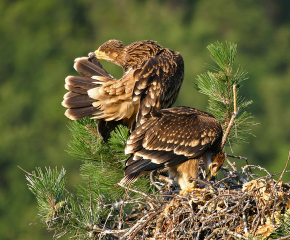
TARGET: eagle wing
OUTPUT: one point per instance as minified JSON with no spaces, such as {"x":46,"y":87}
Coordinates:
{"x":169,"y":137}
{"x":77,"y":101}
{"x":158,"y":82}
{"x":145,"y":87}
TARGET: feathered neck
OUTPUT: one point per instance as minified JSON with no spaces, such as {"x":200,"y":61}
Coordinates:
{"x":138,"y":52}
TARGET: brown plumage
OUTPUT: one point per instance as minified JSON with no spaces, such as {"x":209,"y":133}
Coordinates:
{"x":175,"y":138}
{"x":151,"y":81}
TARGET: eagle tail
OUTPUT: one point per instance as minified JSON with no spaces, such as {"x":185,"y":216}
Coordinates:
{"x":130,"y":178}
{"x":106,"y":127}
{"x":135,"y":169}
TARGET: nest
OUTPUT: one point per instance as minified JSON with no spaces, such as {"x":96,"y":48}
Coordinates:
{"x":239,"y":206}
{"x":254,"y":210}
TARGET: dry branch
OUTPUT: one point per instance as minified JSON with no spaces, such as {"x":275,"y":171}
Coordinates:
{"x":234,"y":207}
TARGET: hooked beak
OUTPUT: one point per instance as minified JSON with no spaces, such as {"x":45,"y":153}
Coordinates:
{"x":210,"y":175}
{"x":100,"y":55}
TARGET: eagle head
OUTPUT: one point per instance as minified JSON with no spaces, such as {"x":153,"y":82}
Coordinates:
{"x":111,"y":51}
{"x":213,"y":164}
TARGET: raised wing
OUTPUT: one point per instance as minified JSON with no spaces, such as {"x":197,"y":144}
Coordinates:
{"x":158,"y":82}
{"x":77,"y":100}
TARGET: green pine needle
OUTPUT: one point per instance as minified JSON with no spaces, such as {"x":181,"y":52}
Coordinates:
{"x":48,"y":188}
{"x":218,"y":83}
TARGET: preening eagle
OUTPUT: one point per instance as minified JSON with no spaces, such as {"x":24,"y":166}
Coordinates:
{"x":175,"y":138}
{"x":151,"y":81}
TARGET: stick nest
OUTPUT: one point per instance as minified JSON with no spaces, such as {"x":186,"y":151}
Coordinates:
{"x":239,"y":206}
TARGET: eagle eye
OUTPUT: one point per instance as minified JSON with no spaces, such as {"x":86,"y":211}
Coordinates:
{"x":107,"y":52}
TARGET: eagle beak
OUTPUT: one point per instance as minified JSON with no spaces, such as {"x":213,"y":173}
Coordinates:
{"x":99,"y":55}
{"x":210,"y":175}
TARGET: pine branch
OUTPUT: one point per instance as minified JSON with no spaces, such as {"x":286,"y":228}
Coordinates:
{"x":56,"y":205}
{"x":222,"y":86}
{"x":63,"y":212}
{"x":103,"y":161}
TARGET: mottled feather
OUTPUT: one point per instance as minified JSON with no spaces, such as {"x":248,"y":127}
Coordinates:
{"x":151,"y":81}
{"x":171,"y":137}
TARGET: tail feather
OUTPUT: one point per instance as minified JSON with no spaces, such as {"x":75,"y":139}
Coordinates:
{"x":135,"y":168}
{"x":70,"y":94}
{"x":105,"y":128}
{"x":130,"y":178}
{"x":77,"y":100}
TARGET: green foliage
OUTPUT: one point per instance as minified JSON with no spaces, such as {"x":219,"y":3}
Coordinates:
{"x":284,"y":228}
{"x":49,"y":190}
{"x":218,"y":85}
{"x":53,"y":201}
{"x":103,"y":161}
{"x":99,"y":199}
{"x":60,"y":210}
{"x":86,"y":145}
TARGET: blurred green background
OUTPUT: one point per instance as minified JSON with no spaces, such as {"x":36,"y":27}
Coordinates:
{"x":40,"y":39}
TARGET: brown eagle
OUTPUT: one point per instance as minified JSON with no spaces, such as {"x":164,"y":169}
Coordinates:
{"x":151,"y":81}
{"x":175,"y":138}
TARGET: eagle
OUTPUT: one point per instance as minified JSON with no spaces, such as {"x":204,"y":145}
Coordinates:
{"x":175,"y":138}
{"x":152,"y":77}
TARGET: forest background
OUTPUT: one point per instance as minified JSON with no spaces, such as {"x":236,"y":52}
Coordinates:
{"x":40,"y":39}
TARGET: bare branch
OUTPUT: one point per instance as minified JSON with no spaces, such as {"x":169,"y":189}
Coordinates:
{"x":235,"y":113}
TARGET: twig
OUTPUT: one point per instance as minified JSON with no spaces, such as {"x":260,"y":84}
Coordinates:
{"x":153,"y":182}
{"x":242,"y":179}
{"x":107,"y":218}
{"x":91,"y":208}
{"x":283,"y":170}
{"x":224,"y":231}
{"x":235,"y":113}
{"x":165,"y":179}
{"x":30,"y":174}
{"x":139,"y":192}
{"x":191,"y":179}
{"x":225,"y":178}
{"x":232,"y":165}
{"x":132,"y":229}
{"x":260,"y":168}
{"x":143,"y":225}
{"x":245,"y":221}
{"x":239,"y":157}
{"x":275,"y":189}
{"x":121,"y":210}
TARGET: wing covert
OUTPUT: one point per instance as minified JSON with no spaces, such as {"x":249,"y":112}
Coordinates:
{"x":158,"y":82}
{"x":189,"y":133}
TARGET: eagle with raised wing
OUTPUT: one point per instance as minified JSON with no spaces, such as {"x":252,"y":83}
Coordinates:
{"x":175,"y":138}
{"x":151,"y":81}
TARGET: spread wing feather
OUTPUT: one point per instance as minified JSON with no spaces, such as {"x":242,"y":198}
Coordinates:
{"x":158,"y":81}
{"x":147,"y":86}
{"x":90,"y":67}
{"x":77,"y":100}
